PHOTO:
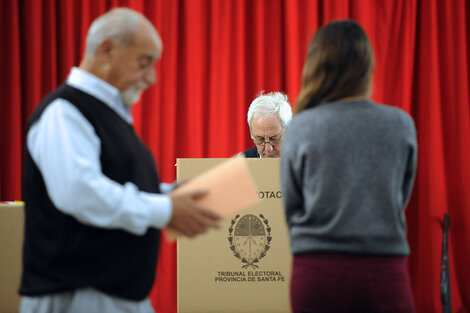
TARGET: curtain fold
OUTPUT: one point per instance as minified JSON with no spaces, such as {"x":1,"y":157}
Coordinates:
{"x":11,"y":113}
{"x":218,"y":55}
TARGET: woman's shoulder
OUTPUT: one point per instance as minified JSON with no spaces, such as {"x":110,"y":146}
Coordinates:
{"x":397,"y":113}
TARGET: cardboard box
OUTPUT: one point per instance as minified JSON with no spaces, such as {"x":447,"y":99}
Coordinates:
{"x":246,"y":265}
{"x":11,"y":245}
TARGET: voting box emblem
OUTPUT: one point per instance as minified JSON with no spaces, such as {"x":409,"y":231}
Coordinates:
{"x":249,"y":239}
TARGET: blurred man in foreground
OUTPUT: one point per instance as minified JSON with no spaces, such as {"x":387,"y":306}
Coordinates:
{"x":94,"y":208}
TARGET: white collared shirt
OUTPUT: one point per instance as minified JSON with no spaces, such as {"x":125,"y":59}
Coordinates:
{"x":64,"y":146}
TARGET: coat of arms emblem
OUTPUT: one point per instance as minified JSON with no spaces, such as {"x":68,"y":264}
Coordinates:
{"x":249,"y":238}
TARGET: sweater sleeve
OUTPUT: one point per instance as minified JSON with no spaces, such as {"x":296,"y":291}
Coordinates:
{"x":410,"y":171}
{"x":291,"y":179}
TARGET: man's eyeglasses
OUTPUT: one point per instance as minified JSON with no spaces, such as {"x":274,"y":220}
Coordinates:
{"x":274,"y":140}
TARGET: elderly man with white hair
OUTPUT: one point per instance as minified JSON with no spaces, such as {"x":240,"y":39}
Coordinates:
{"x":268,"y":117}
{"x":94,"y":208}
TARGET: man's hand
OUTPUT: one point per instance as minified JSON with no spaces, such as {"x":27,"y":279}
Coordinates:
{"x":189,"y":218}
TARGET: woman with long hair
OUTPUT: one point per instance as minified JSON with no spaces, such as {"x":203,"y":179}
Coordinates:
{"x":348,"y":167}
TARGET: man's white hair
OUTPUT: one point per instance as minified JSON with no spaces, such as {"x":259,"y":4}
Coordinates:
{"x":118,"y":24}
{"x":270,"y":104}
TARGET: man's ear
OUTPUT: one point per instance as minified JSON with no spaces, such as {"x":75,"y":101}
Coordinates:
{"x":106,"y":49}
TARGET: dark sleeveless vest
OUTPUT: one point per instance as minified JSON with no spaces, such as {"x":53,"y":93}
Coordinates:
{"x":62,"y":254}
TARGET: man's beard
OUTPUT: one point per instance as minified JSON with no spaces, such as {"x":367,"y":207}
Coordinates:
{"x":132,"y":94}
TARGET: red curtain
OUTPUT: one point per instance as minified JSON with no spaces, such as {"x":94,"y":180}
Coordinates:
{"x":219,"y":54}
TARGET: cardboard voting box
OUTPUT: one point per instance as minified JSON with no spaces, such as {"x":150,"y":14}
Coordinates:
{"x":11,"y":244}
{"x":245,"y":266}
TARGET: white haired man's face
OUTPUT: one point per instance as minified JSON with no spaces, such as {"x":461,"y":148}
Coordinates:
{"x":267,"y":133}
{"x":133,"y":67}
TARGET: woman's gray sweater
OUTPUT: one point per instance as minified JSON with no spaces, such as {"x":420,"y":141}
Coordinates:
{"x":347,"y":173}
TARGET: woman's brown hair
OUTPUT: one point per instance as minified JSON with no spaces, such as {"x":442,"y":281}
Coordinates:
{"x":339,"y":65}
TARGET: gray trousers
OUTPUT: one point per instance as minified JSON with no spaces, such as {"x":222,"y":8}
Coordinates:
{"x":85,"y":300}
